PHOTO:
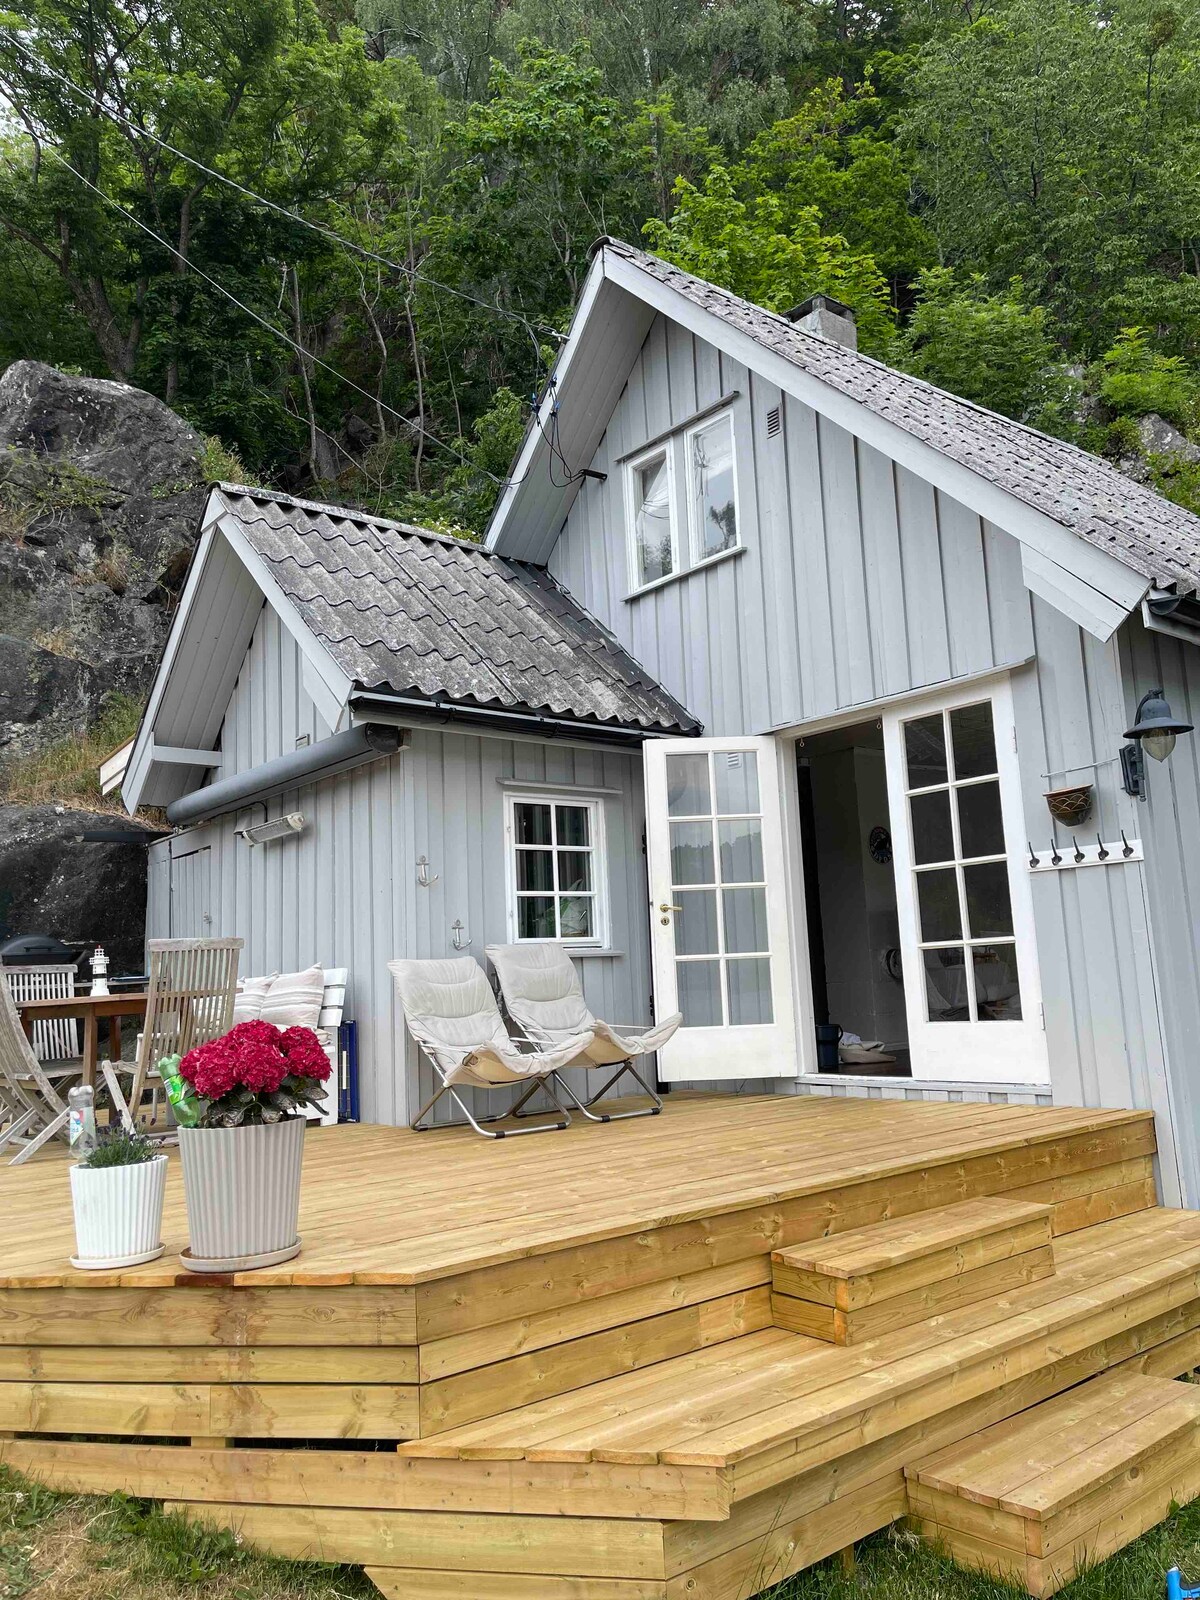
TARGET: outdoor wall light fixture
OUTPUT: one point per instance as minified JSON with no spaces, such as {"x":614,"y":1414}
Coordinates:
{"x":282,"y":828}
{"x":1155,"y":729}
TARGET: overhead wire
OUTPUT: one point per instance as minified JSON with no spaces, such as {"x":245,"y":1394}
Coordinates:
{"x":263,"y":322}
{"x":414,"y":274}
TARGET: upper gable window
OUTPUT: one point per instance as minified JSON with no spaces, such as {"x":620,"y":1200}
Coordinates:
{"x":651,"y":483}
{"x":711,"y":487}
{"x":681,"y":500}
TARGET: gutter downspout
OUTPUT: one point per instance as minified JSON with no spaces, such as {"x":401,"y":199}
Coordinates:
{"x":340,"y":753}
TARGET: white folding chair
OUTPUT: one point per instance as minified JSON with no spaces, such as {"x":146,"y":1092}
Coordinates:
{"x":452,"y":1014}
{"x":544,"y":997}
{"x":31,"y":1109}
{"x":54,"y":1038}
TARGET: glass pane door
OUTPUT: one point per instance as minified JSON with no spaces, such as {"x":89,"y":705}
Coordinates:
{"x":718,"y":889}
{"x":719,"y":884}
{"x":960,"y":867}
{"x":968,"y":951}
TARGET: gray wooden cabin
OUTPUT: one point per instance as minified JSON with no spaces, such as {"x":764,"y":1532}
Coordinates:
{"x":752,"y":699}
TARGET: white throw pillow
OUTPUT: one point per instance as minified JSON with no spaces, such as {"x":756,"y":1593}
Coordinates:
{"x":249,"y":999}
{"x":294,"y":999}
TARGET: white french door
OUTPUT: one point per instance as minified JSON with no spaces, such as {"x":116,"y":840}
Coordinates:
{"x":968,"y":952}
{"x":718,"y":874}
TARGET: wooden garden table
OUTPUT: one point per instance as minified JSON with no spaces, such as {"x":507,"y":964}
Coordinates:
{"x":91,"y":1007}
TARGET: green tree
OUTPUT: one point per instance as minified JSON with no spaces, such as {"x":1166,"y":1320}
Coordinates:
{"x":258,"y":90}
{"x":831,"y":154}
{"x":1057,"y":141}
{"x":771,"y":251}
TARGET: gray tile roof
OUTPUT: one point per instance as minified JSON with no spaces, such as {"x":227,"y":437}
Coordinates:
{"x":1094,"y":500}
{"x":418,"y":613}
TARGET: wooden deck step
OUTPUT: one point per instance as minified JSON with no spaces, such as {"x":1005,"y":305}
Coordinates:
{"x":856,"y":1286}
{"x":1065,"y":1483}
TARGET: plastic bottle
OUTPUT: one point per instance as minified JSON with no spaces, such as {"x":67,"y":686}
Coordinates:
{"x":82,"y":1103}
{"x":180,"y":1094}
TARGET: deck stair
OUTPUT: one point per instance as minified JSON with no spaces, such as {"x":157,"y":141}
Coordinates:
{"x":857,"y":1286}
{"x":1065,"y":1483}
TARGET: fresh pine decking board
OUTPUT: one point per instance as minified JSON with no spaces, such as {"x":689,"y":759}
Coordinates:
{"x":858,"y":1286}
{"x":578,"y":1329}
{"x":1038,"y":1496}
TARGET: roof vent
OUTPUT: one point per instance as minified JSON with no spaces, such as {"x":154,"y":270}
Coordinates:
{"x":822,"y":314}
{"x":774,"y":422}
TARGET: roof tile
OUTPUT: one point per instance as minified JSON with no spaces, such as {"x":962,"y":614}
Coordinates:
{"x":417,"y":613}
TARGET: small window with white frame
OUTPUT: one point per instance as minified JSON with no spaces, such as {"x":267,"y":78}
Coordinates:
{"x":650,"y":486}
{"x":556,"y":869}
{"x":711,"y":487}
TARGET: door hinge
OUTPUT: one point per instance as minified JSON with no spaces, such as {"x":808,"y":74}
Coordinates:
{"x":1042,"y":1014}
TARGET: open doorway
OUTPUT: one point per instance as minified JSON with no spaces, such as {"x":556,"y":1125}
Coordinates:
{"x":850,"y":894}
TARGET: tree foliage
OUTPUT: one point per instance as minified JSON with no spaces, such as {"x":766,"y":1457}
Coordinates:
{"x":1007,"y":192}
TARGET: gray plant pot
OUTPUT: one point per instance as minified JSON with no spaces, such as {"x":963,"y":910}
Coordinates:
{"x":242,"y":1188}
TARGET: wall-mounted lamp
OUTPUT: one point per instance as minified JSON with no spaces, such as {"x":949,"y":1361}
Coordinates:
{"x":1155,"y":729}
{"x":284,"y":827}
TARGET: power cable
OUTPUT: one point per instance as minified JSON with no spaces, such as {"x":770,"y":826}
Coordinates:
{"x":300,"y":349}
{"x":412,"y":273}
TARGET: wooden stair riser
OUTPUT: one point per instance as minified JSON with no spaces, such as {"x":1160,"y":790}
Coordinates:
{"x":491,"y":1295}
{"x":352,"y":1478}
{"x":559,"y":1369}
{"x":1065,"y":1482}
{"x":836,"y":1326}
{"x":859,"y":1285}
{"x":869,"y":1290}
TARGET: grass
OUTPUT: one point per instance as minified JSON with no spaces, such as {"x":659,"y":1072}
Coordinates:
{"x":68,"y":773}
{"x":71,"y":1547}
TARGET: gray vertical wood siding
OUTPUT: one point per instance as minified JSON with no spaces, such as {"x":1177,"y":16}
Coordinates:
{"x":857,"y":581}
{"x":345,"y":892}
{"x":1170,"y":826}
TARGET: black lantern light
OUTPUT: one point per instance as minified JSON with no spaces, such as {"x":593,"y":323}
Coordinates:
{"x":1155,"y":729}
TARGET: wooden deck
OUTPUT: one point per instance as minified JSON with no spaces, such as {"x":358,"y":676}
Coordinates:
{"x":548,"y":1368}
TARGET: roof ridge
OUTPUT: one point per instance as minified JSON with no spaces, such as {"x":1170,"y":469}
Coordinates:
{"x":353,"y":514}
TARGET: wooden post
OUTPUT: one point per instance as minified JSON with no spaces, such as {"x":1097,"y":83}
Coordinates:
{"x":848,"y":1562}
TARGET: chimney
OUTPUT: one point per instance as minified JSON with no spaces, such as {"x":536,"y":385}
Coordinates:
{"x":823,"y":315}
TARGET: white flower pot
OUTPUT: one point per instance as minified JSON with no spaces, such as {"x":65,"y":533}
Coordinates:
{"x":118,"y":1213}
{"x":242,"y":1187}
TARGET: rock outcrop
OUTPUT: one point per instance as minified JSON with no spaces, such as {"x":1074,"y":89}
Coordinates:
{"x":77,"y":892}
{"x":101,"y":486}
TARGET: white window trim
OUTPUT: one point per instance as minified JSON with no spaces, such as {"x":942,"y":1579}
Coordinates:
{"x":695,"y":538}
{"x":599,"y":939}
{"x":664,"y":449}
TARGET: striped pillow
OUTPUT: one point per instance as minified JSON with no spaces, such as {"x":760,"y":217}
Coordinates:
{"x":294,"y":999}
{"x":250,"y":997}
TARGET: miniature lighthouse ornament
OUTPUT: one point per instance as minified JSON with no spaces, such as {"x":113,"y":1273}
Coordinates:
{"x":99,"y":971}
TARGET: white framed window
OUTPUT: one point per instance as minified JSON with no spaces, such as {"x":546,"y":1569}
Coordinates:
{"x":652,"y":516}
{"x":712,"y":507}
{"x":556,"y":869}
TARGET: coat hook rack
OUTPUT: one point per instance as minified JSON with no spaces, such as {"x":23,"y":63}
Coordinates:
{"x":1100,"y":854}
{"x":424,"y":877}
{"x":456,"y":935}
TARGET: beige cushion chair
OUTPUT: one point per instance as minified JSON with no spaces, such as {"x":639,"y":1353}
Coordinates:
{"x":544,"y":997}
{"x":452,"y":1014}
